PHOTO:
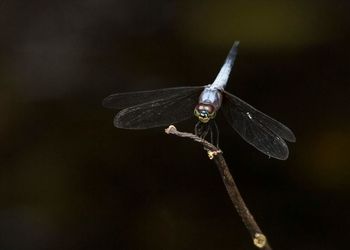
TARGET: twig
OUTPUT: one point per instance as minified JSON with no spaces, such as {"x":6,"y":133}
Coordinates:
{"x":214,"y":153}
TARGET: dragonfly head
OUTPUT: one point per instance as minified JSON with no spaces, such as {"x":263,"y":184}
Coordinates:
{"x":204,"y":112}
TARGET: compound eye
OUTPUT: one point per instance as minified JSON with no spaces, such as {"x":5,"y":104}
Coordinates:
{"x":205,"y":108}
{"x":204,"y":112}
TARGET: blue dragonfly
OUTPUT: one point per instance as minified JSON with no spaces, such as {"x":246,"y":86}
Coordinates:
{"x":162,"y":107}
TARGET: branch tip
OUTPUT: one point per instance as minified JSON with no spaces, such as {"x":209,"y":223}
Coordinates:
{"x":171,"y":129}
{"x":259,"y":240}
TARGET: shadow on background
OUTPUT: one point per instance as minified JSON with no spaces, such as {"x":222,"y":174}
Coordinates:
{"x":69,"y":180}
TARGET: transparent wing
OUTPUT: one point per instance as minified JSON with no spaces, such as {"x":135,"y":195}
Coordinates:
{"x":160,"y":112}
{"x":258,"y":129}
{"x":129,"y":99}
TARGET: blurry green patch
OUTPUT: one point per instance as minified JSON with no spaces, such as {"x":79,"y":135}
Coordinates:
{"x":326,"y":160}
{"x":257,"y":24}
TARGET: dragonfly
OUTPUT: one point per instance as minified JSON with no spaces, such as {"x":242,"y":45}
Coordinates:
{"x":162,"y":107}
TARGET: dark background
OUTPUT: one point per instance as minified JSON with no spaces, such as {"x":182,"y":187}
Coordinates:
{"x":70,"y":180}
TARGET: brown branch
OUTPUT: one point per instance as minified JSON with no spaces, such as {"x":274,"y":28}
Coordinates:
{"x":214,"y":153}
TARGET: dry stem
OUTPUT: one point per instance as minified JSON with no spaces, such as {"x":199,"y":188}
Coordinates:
{"x":259,"y":239}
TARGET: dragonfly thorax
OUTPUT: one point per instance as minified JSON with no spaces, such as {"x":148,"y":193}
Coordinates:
{"x":204,"y":112}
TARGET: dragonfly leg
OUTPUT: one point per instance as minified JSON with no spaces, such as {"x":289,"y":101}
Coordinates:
{"x":211,"y":134}
{"x":206,"y":130}
{"x":214,"y":133}
{"x":201,"y":129}
{"x":217,"y":133}
{"x":196,"y":128}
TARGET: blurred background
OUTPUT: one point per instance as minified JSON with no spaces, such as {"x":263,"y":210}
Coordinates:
{"x":70,"y":180}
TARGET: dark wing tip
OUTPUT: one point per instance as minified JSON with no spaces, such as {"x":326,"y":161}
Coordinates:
{"x":282,"y":157}
{"x":118,"y":120}
{"x":122,"y":120}
{"x":282,"y":153}
{"x":290,"y":137}
{"x":293,"y":138}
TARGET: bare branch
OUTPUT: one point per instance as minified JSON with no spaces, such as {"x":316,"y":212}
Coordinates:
{"x":259,"y":239}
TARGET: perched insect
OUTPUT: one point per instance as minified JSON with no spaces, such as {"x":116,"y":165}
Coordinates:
{"x":162,"y":107}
